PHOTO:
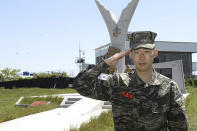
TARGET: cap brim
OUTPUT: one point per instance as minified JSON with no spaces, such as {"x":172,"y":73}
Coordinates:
{"x":148,"y":46}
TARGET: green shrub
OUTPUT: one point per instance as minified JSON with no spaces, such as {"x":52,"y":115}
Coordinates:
{"x":50,"y":74}
{"x":195,"y":82}
{"x":191,"y":82}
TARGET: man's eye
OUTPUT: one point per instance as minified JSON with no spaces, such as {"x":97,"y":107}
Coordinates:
{"x":147,"y":51}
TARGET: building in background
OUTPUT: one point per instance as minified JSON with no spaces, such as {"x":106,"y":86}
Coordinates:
{"x":168,"y":51}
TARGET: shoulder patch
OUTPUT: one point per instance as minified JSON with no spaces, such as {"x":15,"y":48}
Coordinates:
{"x":103,"y":76}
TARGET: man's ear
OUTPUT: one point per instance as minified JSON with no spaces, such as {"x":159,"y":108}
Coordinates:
{"x":155,"y":53}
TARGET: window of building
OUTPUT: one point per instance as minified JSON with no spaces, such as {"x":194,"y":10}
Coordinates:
{"x":165,"y":71}
{"x":167,"y":58}
{"x":184,"y":59}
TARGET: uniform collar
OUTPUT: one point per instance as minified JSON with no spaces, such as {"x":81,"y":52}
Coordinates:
{"x":154,"y":80}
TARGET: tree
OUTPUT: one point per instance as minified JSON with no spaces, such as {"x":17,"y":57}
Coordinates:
{"x":9,"y":74}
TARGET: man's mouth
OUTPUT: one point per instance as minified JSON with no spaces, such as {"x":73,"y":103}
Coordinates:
{"x":142,"y":64}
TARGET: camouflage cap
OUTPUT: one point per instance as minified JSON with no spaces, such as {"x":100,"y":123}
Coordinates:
{"x":142,"y":39}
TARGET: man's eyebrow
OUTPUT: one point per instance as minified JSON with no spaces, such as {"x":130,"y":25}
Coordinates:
{"x":142,"y":48}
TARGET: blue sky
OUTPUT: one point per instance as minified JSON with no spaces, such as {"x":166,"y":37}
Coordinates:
{"x":44,"y":35}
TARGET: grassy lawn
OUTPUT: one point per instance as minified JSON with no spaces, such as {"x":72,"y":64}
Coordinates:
{"x":105,"y":121}
{"x":191,"y":107}
{"x":8,"y":98}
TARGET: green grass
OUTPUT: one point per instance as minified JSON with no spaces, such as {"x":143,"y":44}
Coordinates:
{"x":53,"y":99}
{"x":191,"y":107}
{"x":8,"y":98}
{"x":105,"y":121}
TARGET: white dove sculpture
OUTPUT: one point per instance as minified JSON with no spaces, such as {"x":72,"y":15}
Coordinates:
{"x":118,"y":29}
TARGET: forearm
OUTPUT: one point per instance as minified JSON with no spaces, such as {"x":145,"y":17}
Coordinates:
{"x":86,"y":82}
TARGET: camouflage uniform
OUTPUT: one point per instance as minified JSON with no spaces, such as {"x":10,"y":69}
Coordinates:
{"x":136,"y":105}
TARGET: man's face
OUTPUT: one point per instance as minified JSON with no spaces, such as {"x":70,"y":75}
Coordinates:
{"x":143,"y":58}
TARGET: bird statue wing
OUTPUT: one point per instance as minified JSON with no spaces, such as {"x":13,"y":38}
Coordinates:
{"x":126,"y":15}
{"x":109,"y":18}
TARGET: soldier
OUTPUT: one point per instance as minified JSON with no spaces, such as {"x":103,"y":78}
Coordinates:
{"x":142,"y":100}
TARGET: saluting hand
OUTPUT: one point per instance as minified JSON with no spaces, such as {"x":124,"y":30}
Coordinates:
{"x":113,"y":60}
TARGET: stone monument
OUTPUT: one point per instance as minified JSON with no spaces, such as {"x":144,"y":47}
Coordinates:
{"x":118,"y":28}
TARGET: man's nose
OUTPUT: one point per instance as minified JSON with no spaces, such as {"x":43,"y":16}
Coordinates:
{"x":141,"y":56}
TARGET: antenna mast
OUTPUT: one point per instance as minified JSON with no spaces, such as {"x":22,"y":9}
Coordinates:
{"x":80,"y":60}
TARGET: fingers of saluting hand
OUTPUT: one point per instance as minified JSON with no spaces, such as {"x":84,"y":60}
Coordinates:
{"x":115,"y":58}
{"x":122,"y":54}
